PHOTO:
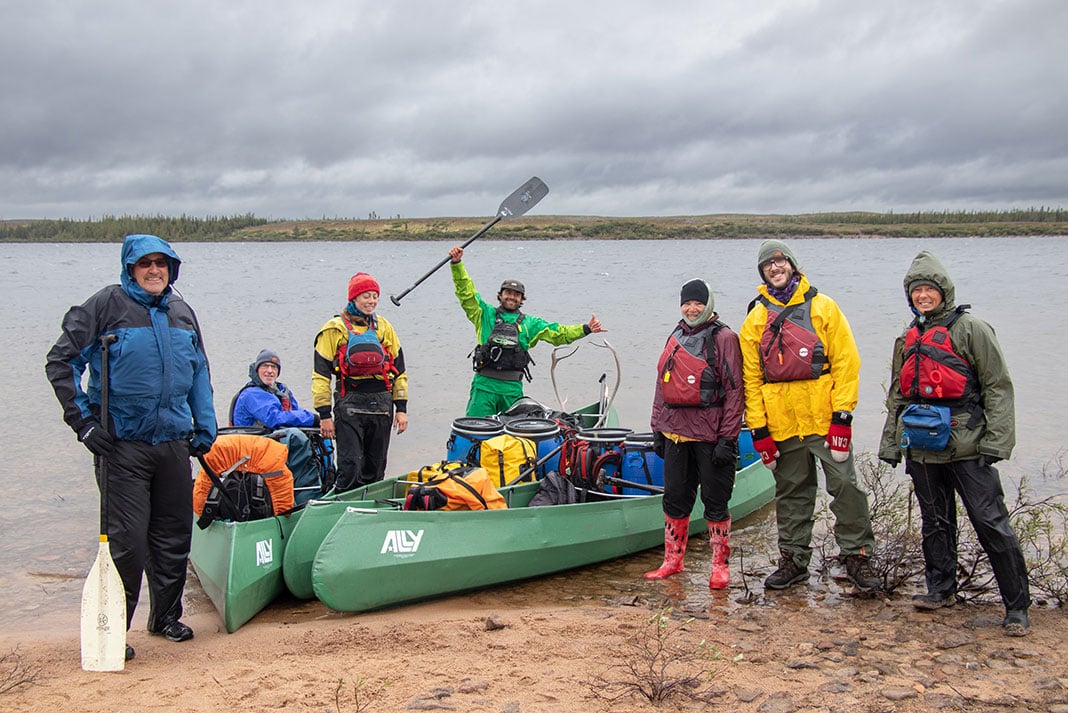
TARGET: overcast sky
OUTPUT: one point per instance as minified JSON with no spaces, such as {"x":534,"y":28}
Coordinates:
{"x":341,"y":108}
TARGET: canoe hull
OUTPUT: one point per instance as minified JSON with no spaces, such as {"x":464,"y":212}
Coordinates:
{"x":239,"y":564}
{"x":378,"y":558}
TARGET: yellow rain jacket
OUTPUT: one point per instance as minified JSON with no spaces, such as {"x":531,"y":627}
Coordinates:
{"x":800,"y":408}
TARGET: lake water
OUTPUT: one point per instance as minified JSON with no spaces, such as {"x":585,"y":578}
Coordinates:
{"x":277,"y":295}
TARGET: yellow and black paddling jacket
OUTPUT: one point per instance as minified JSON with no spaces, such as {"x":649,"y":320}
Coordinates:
{"x":332,"y":339}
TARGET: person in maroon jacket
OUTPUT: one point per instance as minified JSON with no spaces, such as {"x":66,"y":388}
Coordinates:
{"x":697,"y":414}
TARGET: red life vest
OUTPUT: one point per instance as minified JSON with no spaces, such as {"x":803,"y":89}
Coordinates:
{"x":687,"y":377}
{"x":790,"y":349}
{"x":363,"y":355}
{"x":932,"y":370}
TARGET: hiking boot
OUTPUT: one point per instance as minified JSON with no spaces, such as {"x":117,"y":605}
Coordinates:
{"x":858,"y":567}
{"x":1016,"y":623}
{"x":129,"y":652}
{"x":787,"y":575}
{"x":930,"y":602}
{"x":175,"y":631}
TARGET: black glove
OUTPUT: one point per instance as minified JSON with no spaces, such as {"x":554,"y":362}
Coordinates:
{"x":985,"y":460}
{"x":659,"y":442}
{"x":892,"y":462}
{"x":199,"y":445}
{"x":96,"y":439}
{"x":726,"y":451}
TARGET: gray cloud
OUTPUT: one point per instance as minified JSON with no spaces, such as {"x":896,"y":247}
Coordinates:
{"x":421,"y":108}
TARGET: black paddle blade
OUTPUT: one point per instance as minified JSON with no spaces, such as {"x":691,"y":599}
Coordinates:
{"x":525,"y":197}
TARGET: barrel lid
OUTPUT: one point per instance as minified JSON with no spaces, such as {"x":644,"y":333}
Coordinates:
{"x":532,"y":427}
{"x":479,"y":426}
{"x":604,"y":435}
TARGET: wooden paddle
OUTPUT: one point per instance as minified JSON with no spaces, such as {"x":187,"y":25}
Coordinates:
{"x":103,"y":596}
{"x":523,"y":199}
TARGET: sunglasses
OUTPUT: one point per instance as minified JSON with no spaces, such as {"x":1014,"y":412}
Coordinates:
{"x":145,"y":263}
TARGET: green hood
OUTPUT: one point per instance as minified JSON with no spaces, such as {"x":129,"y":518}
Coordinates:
{"x":926,"y":266}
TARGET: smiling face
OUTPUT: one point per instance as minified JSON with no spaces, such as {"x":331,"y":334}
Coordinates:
{"x":152,"y":273}
{"x":268,"y":373}
{"x":777,"y":272}
{"x":366,"y":302}
{"x":510,"y":299}
{"x":692,"y":309}
{"x":926,"y":298}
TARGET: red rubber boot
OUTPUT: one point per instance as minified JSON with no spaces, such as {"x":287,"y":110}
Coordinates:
{"x":719,"y":537}
{"x":676,"y":532}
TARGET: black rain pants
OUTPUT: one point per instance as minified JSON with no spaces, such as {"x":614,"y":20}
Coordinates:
{"x":979,"y":487}
{"x":149,"y":524}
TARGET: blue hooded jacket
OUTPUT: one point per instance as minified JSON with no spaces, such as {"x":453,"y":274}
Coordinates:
{"x":160,"y":383}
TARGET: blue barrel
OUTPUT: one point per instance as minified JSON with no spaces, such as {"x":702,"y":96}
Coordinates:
{"x":641,"y":464}
{"x":467,"y":435}
{"x":607,"y":442}
{"x":746,"y":453}
{"x":545,"y":433}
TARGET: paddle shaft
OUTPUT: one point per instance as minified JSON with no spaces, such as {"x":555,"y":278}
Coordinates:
{"x":523,"y":473}
{"x":105,"y":423}
{"x":632,"y":484}
{"x":522,"y":199}
{"x":396,"y":299}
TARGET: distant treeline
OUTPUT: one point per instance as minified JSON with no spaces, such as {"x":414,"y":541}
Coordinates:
{"x":1030,"y":215}
{"x":112,"y":229}
{"x":1033,"y":221}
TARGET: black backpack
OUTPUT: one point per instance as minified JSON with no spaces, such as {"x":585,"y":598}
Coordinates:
{"x":236,"y":495}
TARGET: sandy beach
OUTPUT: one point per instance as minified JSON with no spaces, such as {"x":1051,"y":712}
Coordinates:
{"x":808,"y":649}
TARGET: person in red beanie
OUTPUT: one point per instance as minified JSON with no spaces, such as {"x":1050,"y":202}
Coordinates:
{"x":359,"y":352}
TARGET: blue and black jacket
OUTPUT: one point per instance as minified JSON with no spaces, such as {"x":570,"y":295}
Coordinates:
{"x":160,"y":383}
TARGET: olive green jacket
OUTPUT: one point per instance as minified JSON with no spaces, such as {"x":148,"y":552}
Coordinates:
{"x":974,"y":340}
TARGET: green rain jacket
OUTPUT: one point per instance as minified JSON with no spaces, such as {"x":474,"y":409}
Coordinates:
{"x":975,"y":341}
{"x":484,"y":315}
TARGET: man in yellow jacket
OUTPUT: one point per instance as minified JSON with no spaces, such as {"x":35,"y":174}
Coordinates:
{"x":801,"y":371}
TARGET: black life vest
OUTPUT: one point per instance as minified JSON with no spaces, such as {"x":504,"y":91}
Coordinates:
{"x":932,"y":371}
{"x":790,"y":349}
{"x":686,"y":369}
{"x":502,"y":356}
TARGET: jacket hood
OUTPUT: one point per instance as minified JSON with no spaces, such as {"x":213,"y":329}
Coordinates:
{"x":928,"y":268}
{"x":135,"y":247}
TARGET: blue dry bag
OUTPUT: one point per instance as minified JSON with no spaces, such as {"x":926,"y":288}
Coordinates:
{"x":926,"y":427}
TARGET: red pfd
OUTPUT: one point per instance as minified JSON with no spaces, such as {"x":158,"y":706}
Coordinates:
{"x":687,"y":378}
{"x":363,"y":355}
{"x":790,"y":349}
{"x":932,"y":370}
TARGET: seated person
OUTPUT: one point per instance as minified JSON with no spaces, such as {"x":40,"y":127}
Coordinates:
{"x":268,"y":403}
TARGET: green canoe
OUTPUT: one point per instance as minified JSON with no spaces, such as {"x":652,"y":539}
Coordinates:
{"x":374,"y":558}
{"x":321,"y":515}
{"x":318,"y":518}
{"x":239,"y":564}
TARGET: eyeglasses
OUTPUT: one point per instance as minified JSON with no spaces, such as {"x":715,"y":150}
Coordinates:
{"x":147,"y":262}
{"x":776,"y":261}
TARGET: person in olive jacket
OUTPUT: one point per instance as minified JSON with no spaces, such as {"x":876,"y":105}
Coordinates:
{"x":948,"y":367}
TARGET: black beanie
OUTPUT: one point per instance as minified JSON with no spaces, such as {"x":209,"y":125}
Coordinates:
{"x":695,"y":290}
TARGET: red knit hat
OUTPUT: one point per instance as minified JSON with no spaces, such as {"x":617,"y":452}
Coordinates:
{"x":362,"y":282}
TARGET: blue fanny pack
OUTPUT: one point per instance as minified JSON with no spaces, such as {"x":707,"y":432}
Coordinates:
{"x":926,"y":427}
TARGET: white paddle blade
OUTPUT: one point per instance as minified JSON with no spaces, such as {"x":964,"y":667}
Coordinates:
{"x":103,"y":616}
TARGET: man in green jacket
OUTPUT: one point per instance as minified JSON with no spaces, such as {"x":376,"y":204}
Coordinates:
{"x":951,"y":413}
{"x":505,"y":336}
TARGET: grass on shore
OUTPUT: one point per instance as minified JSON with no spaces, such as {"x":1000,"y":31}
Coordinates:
{"x":248,"y":228}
